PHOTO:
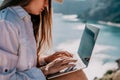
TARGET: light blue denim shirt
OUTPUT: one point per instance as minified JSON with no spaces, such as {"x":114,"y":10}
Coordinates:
{"x":18,"y":56}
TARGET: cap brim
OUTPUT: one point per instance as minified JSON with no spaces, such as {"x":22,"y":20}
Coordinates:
{"x":59,"y":1}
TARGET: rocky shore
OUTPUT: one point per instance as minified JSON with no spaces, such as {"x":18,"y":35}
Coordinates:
{"x":111,"y":74}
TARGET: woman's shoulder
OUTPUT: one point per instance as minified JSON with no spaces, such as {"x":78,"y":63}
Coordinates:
{"x":8,"y":15}
{"x":9,"y":18}
{"x":3,"y":14}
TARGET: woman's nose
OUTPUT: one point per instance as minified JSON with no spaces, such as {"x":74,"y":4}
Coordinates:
{"x":46,"y":4}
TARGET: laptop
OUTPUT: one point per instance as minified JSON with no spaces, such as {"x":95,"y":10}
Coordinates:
{"x":84,"y":52}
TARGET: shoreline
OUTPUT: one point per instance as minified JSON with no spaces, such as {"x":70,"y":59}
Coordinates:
{"x":109,"y":23}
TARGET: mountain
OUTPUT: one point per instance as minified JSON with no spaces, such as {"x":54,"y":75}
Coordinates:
{"x":95,"y":10}
{"x":104,"y":10}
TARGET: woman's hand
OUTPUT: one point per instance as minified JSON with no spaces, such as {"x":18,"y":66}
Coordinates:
{"x":58,"y":65}
{"x":56,"y":55}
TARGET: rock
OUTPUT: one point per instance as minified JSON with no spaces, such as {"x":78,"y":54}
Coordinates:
{"x":116,"y":76}
{"x":118,"y":62}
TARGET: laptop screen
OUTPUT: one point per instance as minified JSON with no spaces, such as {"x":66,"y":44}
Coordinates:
{"x":87,"y":42}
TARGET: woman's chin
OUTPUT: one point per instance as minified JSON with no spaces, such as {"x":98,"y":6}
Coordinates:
{"x":37,"y":13}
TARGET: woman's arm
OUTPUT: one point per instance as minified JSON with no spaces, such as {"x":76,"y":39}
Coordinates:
{"x":58,"y":65}
{"x":43,"y":60}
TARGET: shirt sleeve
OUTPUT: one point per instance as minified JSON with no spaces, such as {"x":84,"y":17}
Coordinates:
{"x":42,"y":61}
{"x":9,"y":56}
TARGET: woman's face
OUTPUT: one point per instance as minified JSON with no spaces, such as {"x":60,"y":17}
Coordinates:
{"x":36,"y":6}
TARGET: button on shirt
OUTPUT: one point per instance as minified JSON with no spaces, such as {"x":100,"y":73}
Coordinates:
{"x":17,"y":46}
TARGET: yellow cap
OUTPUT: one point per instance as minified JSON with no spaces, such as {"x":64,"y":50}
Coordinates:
{"x":59,"y":1}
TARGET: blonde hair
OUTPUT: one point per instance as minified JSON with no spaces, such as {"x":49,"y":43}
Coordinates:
{"x":43,"y":29}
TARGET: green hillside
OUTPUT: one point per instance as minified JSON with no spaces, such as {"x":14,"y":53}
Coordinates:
{"x":104,"y":10}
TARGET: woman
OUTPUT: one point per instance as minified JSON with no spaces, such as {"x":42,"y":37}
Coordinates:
{"x":25,"y":33}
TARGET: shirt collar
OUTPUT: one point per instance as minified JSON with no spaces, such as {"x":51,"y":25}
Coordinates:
{"x":20,"y":12}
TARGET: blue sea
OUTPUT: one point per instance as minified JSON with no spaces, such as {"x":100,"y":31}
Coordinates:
{"x":67,"y":31}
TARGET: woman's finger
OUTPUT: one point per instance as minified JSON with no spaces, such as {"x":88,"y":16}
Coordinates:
{"x":64,"y":53}
{"x":66,"y":66}
{"x":69,"y":54}
{"x":59,"y":60}
{"x":66,"y":61}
